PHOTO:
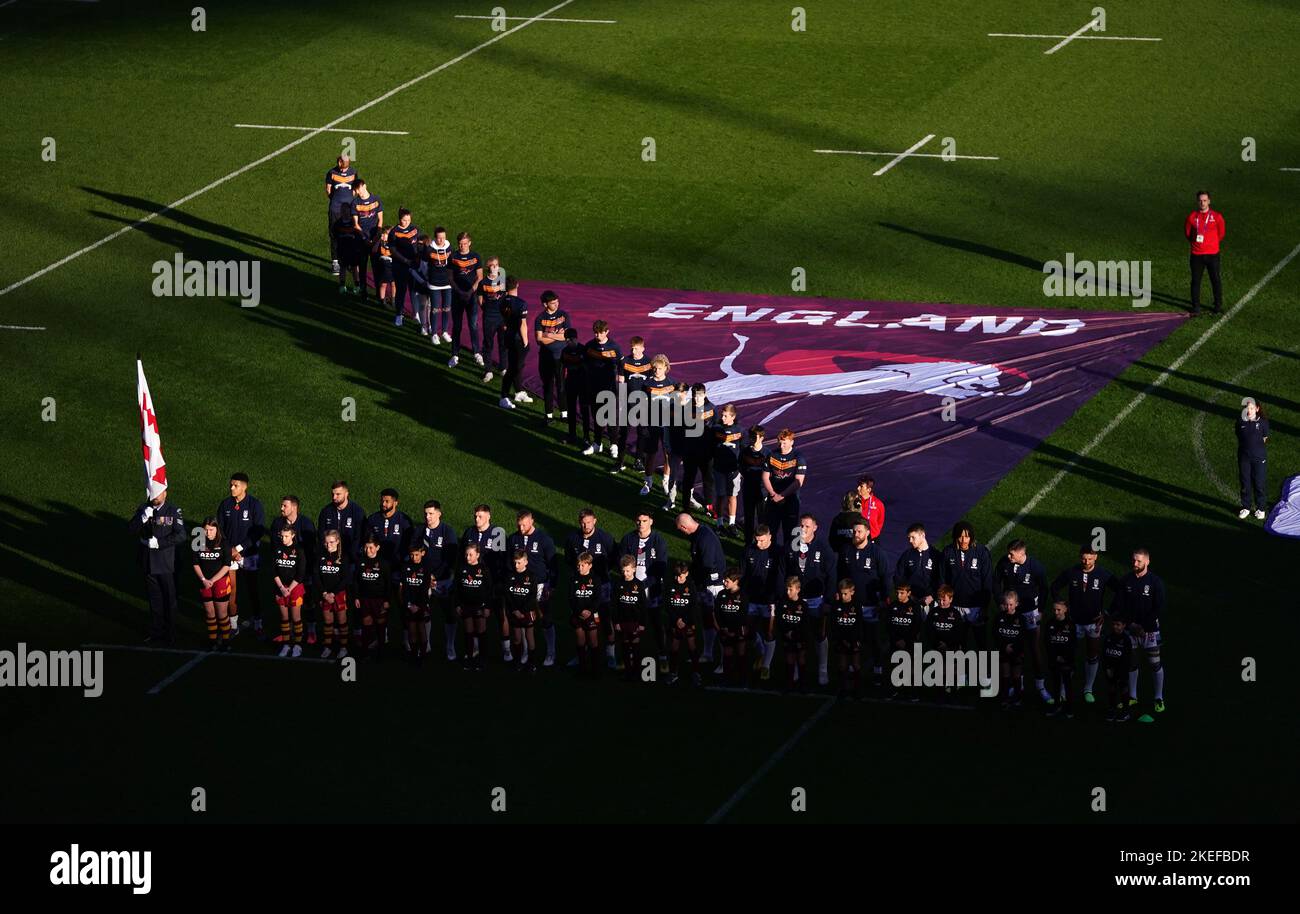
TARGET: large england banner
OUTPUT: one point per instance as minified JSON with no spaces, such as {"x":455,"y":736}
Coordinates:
{"x":937,"y":402}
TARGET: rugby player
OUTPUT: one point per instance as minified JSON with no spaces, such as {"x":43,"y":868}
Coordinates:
{"x":243,"y":524}
{"x":1086,"y":585}
{"x":726,"y":471}
{"x":381,"y":258}
{"x":351,"y":248}
{"x":653,"y":437}
{"x":603,"y":358}
{"x":633,"y":371}
{"x":466,"y":275}
{"x":401,"y":245}
{"x":697,"y":457}
{"x":543,"y":568}
{"x":438,"y":277}
{"x":512,"y":338}
{"x":491,"y":543}
{"x":490,"y":293}
{"x":921,"y":565}
{"x":760,"y":578}
{"x":1020,"y":572}
{"x":1140,"y":603}
{"x":752,"y":460}
{"x":572,"y":378}
{"x":305,"y":537}
{"x":649,"y":553}
{"x":810,"y":557}
{"x":368,"y":218}
{"x":338,"y":191}
{"x":783,"y":476}
{"x":549,"y":329}
{"x":968,"y":570}
{"x":865,"y":562}
{"x":440,"y":547}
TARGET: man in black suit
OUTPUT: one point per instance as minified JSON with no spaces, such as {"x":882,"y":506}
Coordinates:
{"x":160,"y":529}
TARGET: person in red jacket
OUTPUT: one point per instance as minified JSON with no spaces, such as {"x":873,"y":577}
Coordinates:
{"x":1204,"y":230}
{"x":873,"y":509}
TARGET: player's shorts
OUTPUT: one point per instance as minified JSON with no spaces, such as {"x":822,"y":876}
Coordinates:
{"x":762,"y":610}
{"x":1017,"y":653}
{"x":974,"y":615}
{"x":473,"y":611}
{"x":848,"y":646}
{"x":371,"y":606}
{"x":727,"y":484}
{"x":383,"y":269}
{"x":220,"y":590}
{"x":687,"y":629}
{"x":1032,"y":619}
{"x":589,"y":624}
{"x":1149,"y":641}
{"x":521,"y":618}
{"x":295,"y":597}
{"x":338,"y":605}
{"x":1087,"y":630}
{"x":415,"y":612}
{"x":792,"y":638}
{"x":815,"y":606}
{"x":627,"y":628}
{"x":732,"y":635}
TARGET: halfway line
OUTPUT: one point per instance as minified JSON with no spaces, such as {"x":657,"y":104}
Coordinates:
{"x":283,"y":149}
{"x":1136,"y":401}
{"x":507,"y":18}
{"x":915,"y":155}
{"x":323,"y":129}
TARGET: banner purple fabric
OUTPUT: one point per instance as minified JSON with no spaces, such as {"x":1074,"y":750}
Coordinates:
{"x":937,"y":402}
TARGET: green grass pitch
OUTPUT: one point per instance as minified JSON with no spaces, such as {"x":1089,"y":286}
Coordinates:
{"x":534,"y":144}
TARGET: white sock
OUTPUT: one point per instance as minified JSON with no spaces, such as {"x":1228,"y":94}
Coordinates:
{"x":1090,"y":668}
{"x":234,"y":621}
{"x":823,"y":647}
{"x":523,"y":658}
{"x":1133,"y":684}
{"x":769,"y":649}
{"x":505,"y":647}
{"x":1160,"y":684}
{"x":731,"y":520}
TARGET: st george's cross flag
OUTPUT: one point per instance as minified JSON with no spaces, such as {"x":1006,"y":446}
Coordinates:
{"x":155,"y":468}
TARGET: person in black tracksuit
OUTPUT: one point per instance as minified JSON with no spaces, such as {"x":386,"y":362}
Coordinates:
{"x":752,"y":459}
{"x":512,"y":337}
{"x":1252,"y":459}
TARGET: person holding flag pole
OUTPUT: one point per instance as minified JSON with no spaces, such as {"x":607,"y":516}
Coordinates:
{"x":158,"y":525}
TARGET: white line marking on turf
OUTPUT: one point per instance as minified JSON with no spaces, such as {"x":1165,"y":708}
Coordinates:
{"x":1076,"y":37}
{"x":915,"y":155}
{"x":323,"y":129}
{"x":181,"y":650}
{"x":1137,"y":401}
{"x":1289,"y":169}
{"x":283,"y":149}
{"x":1089,"y":26}
{"x":507,"y":18}
{"x":902,"y":155}
{"x":16,"y":327}
{"x":1198,"y":428}
{"x":189,"y":665}
{"x":767,"y":766}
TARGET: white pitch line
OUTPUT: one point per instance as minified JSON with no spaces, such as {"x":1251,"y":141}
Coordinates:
{"x":189,"y":665}
{"x":507,"y":18}
{"x":1289,"y":169}
{"x":143,"y":649}
{"x":902,"y":155}
{"x":323,"y":129}
{"x":283,"y":149}
{"x":1137,"y":401}
{"x":915,"y":155}
{"x":1076,"y":37}
{"x":767,"y":766}
{"x":1088,"y":26}
{"x":16,"y":327}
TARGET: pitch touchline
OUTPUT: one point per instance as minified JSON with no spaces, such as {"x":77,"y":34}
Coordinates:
{"x":323,"y":129}
{"x":283,"y":149}
{"x":1137,"y":401}
{"x":782,"y":751}
{"x":16,"y":327}
{"x":507,"y":18}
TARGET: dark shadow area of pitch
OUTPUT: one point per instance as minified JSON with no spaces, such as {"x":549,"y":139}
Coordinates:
{"x":190,"y":221}
{"x":1011,"y":257}
{"x":1229,"y":410}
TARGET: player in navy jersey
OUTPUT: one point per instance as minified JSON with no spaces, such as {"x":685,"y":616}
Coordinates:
{"x":726,"y":438}
{"x":351,"y":249}
{"x":1119,"y":658}
{"x":585,"y":609}
{"x":631,"y":602}
{"x":416,"y":587}
{"x":544,"y":565}
{"x":333,"y":578}
{"x":1059,"y":638}
{"x":789,"y":620}
{"x":1086,"y":585}
{"x":946,"y":629}
{"x":731,"y":610}
{"x":474,"y":593}
{"x":572,"y":379}
{"x":697,"y":455}
{"x":1140,"y":602}
{"x":549,"y":329}
{"x":844,"y":619}
{"x":401,"y":244}
{"x":904,"y":620}
{"x":810,"y":556}
{"x":1011,"y":633}
{"x":512,"y":337}
{"x":375,"y":591}
{"x":212,"y":566}
{"x":866,"y":563}
{"x":603,"y":359}
{"x":368,"y":216}
{"x":491,"y":542}
{"x":466,"y":275}
{"x":339,"y":182}
{"x":752,"y":460}
{"x":243,"y":525}
{"x":921,"y":565}
{"x":394,"y":530}
{"x":968,"y":570}
{"x":381,"y":258}
{"x":441,"y":553}
{"x":1024,"y":574}
{"x":681,"y":605}
{"x":652,"y":438}
{"x":783,"y":476}
{"x":760,"y":578}
{"x":649,"y":552}
{"x":305,"y":536}
{"x":519,"y":600}
{"x":633,"y":370}
{"x":491,"y":292}
{"x":675,"y":445}
{"x":438,"y":277}
{"x":345,"y":517}
{"x":289,"y":576}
